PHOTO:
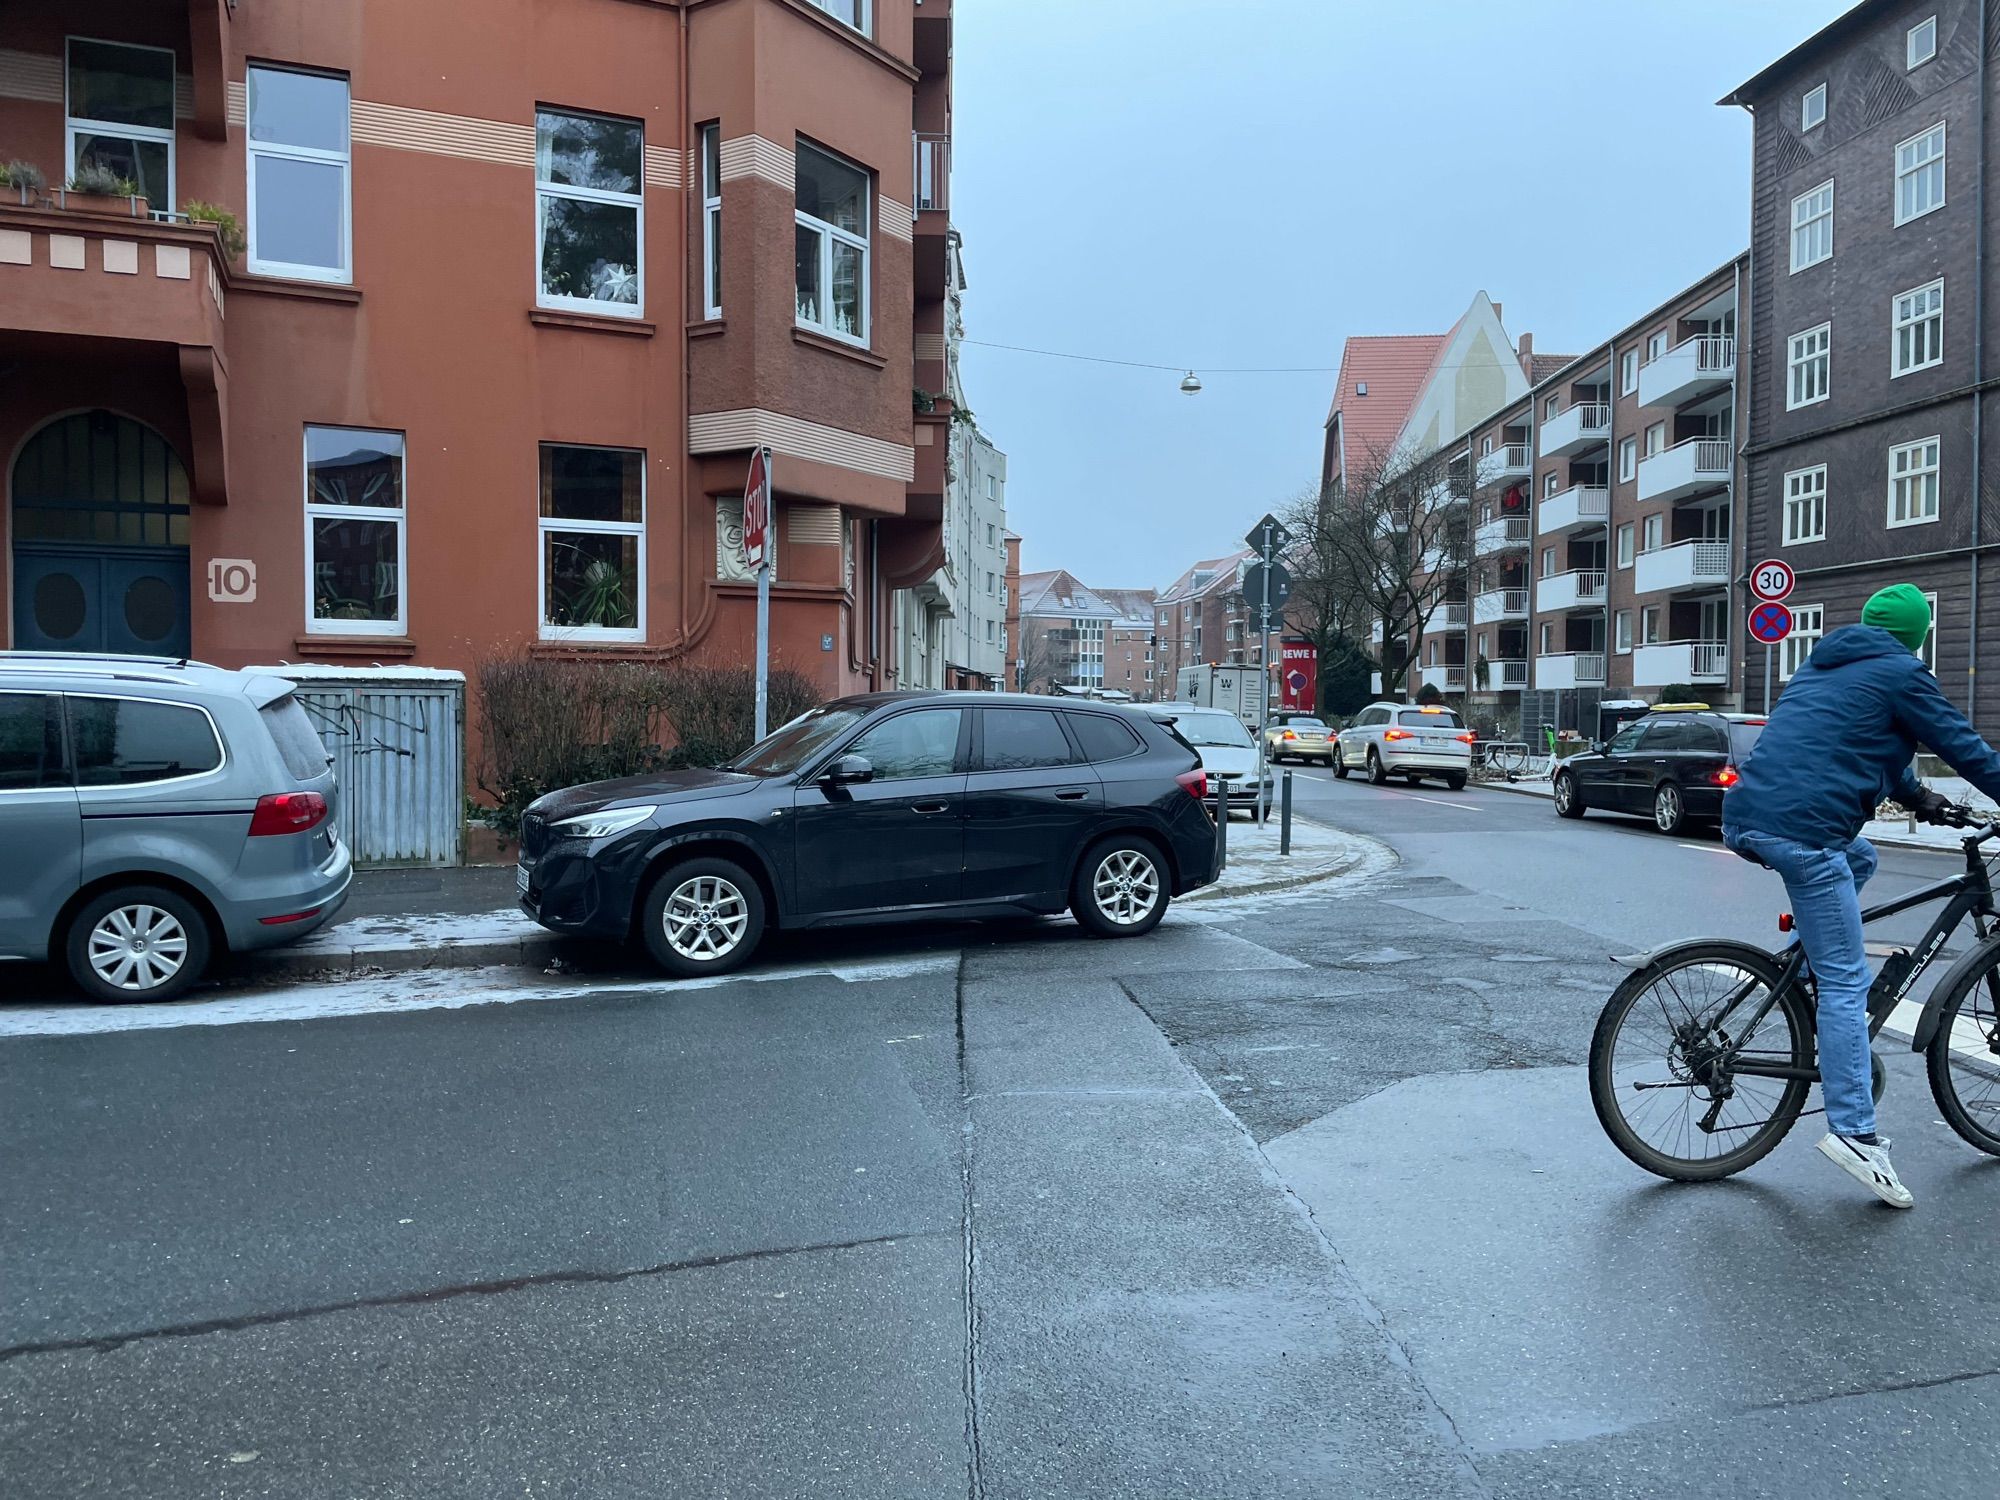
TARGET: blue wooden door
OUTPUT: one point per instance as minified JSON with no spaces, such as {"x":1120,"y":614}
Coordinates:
{"x":80,"y":598}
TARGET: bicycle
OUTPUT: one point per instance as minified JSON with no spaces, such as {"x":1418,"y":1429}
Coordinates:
{"x":1692,"y":1027}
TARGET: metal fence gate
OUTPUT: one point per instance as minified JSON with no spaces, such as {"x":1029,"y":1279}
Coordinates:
{"x":397,"y":738}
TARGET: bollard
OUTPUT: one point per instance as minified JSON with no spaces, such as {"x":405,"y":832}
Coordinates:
{"x":1221,"y":826}
{"x":1285,"y":814}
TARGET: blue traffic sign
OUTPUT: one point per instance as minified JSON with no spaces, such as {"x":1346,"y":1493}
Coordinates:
{"x":1770,"y":622}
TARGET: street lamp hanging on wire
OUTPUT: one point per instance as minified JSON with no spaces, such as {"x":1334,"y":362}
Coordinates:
{"x":1190,"y":385}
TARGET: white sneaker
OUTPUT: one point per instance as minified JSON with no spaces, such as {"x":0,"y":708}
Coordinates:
{"x":1867,"y":1165}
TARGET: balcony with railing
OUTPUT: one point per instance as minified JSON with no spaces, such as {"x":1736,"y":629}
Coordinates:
{"x":1501,"y":534}
{"x":1578,"y":508}
{"x":1687,"y":468}
{"x":1446,"y":678}
{"x":1569,"y":669}
{"x":1449,"y":616}
{"x":1685,"y":565}
{"x":1506,"y":676}
{"x":1669,"y":662}
{"x":1509,"y":461}
{"x":1691,"y":370}
{"x":933,"y":174}
{"x":1499,"y":604}
{"x":1584,"y":426}
{"x":1580,"y":589}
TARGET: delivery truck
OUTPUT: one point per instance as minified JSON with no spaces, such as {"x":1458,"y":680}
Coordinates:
{"x":1238,"y":689}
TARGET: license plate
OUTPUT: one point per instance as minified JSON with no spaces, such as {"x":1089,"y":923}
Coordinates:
{"x":1439,"y":740}
{"x":521,"y":879}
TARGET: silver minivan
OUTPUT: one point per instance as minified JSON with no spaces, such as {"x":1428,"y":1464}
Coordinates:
{"x":155,"y":814}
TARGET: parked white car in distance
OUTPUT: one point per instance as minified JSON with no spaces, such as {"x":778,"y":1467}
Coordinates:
{"x":1226,"y":749}
{"x":1406,"y":739}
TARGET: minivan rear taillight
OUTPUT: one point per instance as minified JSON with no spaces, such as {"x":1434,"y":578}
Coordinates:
{"x":287,"y":812}
{"x":1194,"y":783}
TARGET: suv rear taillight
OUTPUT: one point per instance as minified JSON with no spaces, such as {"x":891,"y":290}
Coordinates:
{"x":1194,"y":783}
{"x":1397,"y":734}
{"x":287,"y":812}
{"x":1468,"y":739}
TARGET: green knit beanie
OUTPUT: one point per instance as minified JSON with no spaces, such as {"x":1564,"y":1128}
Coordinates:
{"x":1903,"y":611}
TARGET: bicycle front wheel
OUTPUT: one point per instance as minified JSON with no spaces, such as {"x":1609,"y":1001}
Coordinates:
{"x":1661,"y":1071}
{"x":1964,"y":1056}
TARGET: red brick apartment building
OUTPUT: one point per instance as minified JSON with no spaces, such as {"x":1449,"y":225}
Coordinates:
{"x":524,"y":283}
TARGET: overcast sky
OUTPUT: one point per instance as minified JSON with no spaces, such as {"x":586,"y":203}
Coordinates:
{"x":1208,"y":183}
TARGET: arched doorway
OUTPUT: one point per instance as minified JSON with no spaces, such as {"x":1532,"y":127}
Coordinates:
{"x":100,"y":525}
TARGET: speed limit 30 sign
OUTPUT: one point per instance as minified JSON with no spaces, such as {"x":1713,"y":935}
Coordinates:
{"x":1772,"y":579}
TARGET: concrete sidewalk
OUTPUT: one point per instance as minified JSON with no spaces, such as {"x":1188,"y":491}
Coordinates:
{"x":459,"y":918}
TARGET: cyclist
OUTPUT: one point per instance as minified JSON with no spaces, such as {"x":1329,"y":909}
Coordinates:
{"x":1840,"y":741}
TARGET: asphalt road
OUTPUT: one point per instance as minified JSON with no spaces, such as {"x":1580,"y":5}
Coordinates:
{"x":1303,"y":1197}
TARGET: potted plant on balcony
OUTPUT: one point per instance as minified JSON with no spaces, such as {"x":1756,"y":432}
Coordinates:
{"x":228,"y":228}
{"x":1482,"y":672}
{"x":93,"y":189}
{"x":25,"y":178}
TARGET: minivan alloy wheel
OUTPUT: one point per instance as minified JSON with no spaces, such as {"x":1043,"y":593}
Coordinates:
{"x":705,"y":917}
{"x":1126,"y":886}
{"x":137,"y":947}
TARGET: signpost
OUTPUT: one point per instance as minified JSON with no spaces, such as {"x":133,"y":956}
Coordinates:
{"x":1772,"y":581}
{"x":757,"y":553}
{"x":1267,"y":584}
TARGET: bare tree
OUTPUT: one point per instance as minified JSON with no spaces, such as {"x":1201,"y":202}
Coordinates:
{"x":1045,"y":660}
{"x":1386,"y":546}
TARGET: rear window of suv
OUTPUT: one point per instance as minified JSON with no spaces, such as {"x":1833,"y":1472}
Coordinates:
{"x":130,"y":741}
{"x":1103,"y":737}
{"x":1429,"y":718}
{"x":299,"y":744}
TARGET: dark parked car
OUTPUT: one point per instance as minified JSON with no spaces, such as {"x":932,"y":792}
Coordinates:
{"x":1673,"y":764}
{"x":880,"y":808}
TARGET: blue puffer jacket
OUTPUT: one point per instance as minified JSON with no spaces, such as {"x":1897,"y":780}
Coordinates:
{"x":1842,"y":737}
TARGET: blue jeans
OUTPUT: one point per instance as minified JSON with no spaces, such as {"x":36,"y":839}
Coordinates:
{"x":1825,"y":889}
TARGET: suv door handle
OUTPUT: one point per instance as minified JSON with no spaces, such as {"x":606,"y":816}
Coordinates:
{"x":930,"y":807}
{"x":1072,"y":794}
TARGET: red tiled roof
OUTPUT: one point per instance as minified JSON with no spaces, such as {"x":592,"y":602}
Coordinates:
{"x":1394,"y":367}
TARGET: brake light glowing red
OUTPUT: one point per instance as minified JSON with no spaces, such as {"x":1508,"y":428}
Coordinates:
{"x":1467,"y":738}
{"x":1194,"y":783}
{"x":287,"y":812}
{"x":1397,"y":734}
{"x":1725,"y":778}
{"x":1289,"y":735}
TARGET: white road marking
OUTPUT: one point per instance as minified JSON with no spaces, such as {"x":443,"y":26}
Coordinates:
{"x":432,"y":989}
{"x":1705,"y":848}
{"x":1434,"y":801}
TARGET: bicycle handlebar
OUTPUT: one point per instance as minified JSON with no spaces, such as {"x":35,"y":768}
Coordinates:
{"x":1957,"y":815}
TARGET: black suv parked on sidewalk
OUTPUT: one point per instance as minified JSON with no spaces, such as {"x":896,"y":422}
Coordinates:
{"x":1675,"y":763}
{"x":880,"y":808}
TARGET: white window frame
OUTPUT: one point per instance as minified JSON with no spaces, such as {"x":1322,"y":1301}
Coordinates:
{"x":73,"y":124}
{"x":711,"y":219}
{"x":1625,"y":540}
{"x":1908,"y":167}
{"x":1805,"y":223}
{"x":1656,"y":440}
{"x":399,"y":515}
{"x":1809,"y":119}
{"x":1621,"y":632}
{"x":864,"y":9}
{"x":343,"y":274}
{"x":1628,"y":372}
{"x":1656,"y":344}
{"x":1652,"y":532}
{"x":1628,"y":459}
{"x":1915,"y":53}
{"x":1649,"y":624}
{"x":828,"y":236}
{"x":1928,"y":654}
{"x":1909,"y":315}
{"x":1919,"y":460}
{"x":546,"y":524}
{"x":1808,"y":625}
{"x":1551,"y":406}
{"x":1805,"y":500}
{"x":1804,"y":350}
{"x":635,"y":200}
{"x":1550,"y":483}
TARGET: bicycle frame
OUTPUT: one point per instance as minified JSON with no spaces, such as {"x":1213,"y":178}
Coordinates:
{"x":1971,"y":896}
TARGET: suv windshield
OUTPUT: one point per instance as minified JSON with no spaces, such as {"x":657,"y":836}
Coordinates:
{"x":783,"y":752}
{"x":1213,"y":729}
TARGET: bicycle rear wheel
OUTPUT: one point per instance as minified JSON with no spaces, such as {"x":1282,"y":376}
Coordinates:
{"x":1964,"y":1056}
{"x":1656,"y":1078}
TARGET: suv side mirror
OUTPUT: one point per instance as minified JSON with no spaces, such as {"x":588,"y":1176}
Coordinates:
{"x":849,"y":770}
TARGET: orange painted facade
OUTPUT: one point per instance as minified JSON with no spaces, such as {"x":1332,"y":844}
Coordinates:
{"x":441,"y":333}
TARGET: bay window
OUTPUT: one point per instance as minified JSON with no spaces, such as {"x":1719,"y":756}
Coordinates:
{"x":832,"y":246}
{"x":593,"y":534}
{"x":589,"y":215}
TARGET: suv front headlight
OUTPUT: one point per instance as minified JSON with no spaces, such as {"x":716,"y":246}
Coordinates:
{"x":602,"y":824}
